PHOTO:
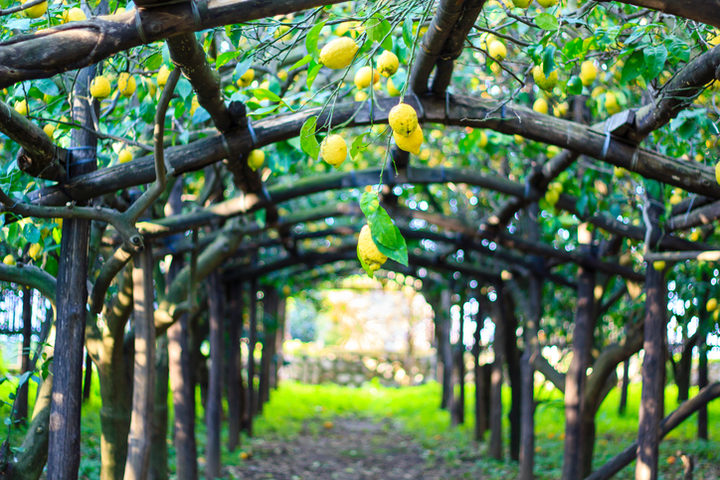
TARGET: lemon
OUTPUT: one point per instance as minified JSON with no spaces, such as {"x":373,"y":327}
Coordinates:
{"x":282,"y":75}
{"x":75,"y":14}
{"x":34,"y":251}
{"x":482,"y":143}
{"x":541,"y":106}
{"x":100,"y":87}
{"x":387,"y":63}
{"x":333,"y":150}
{"x":162,"y":76}
{"x":588,"y":73}
{"x":368,"y":251}
{"x":695,"y":235}
{"x":194,"y":104}
{"x":124,"y":156}
{"x":21,"y":107}
{"x":392,"y":89}
{"x":9,"y":260}
{"x":561,"y":110}
{"x":547,"y":3}
{"x":497,"y":50}
{"x":711,"y":305}
{"x":36,"y":10}
{"x":364,"y":76}
{"x":546,"y":83}
{"x":255,"y":159}
{"x":246,"y":78}
{"x":659,"y":265}
{"x":522,"y":3}
{"x":675,"y":198}
{"x":611,"y":103}
{"x":717,"y":172}
{"x":552,"y":197}
{"x":49,"y":129}
{"x":403,"y":119}
{"x":410,"y":143}
{"x":361,"y":96}
{"x":338,"y":53}
{"x":126,"y":84}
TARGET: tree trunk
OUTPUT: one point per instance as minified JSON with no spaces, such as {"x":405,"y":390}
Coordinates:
{"x":139,"y":438}
{"x":702,"y":419}
{"x":527,"y":406}
{"x":495,"y":448}
{"x":576,"y":377}
{"x":64,"y":436}
{"x":21,"y":400}
{"x":622,"y":406}
{"x":512,"y":356}
{"x":159,"y":451}
{"x":279,"y":339}
{"x":682,"y":370}
{"x":481,"y":405}
{"x":213,"y":413}
{"x":234,"y":378}
{"x":87,"y":381}
{"x":653,"y":365}
{"x":442,"y":323}
{"x":252,"y":341}
{"x":268,"y":345}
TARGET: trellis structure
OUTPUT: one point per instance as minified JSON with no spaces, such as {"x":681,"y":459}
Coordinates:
{"x":500,"y":247}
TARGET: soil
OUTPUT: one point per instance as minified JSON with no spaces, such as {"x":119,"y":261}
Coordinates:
{"x":350,"y":449}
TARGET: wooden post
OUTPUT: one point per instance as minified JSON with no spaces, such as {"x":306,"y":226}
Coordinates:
{"x":64,"y":435}
{"x":442,"y":323}
{"x":213,"y":409}
{"x":270,"y":304}
{"x":159,"y":450}
{"x":21,"y":400}
{"x":87,"y":378}
{"x":234,"y":378}
{"x":702,"y":419}
{"x":653,"y":365}
{"x":481,"y":418}
{"x":622,"y":406}
{"x":139,"y":438}
{"x":459,"y":407}
{"x":576,"y":376}
{"x":252,"y":341}
{"x":495,"y":447}
{"x":279,"y":339}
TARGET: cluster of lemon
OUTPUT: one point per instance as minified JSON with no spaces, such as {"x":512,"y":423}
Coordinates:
{"x":586,"y":77}
{"x":101,"y":88}
{"x":74,"y":14}
{"x":553,"y":193}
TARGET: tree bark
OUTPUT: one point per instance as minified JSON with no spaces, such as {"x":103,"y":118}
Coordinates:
{"x":21,"y":399}
{"x":234,"y":365}
{"x":622,"y":406}
{"x":495,"y":447}
{"x":159,"y":451}
{"x":442,"y":322}
{"x":139,"y":438}
{"x":87,"y":378}
{"x":213,"y":408}
{"x":512,"y":356}
{"x":702,"y":419}
{"x":576,"y":378}
{"x":64,"y":436}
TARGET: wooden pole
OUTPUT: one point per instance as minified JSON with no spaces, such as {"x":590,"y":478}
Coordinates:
{"x":213,"y":407}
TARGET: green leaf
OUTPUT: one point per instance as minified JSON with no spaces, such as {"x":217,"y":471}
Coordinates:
{"x":153,"y":62}
{"x":302,"y":62}
{"x":549,"y":59}
{"x":308,"y":142}
{"x":547,"y":22}
{"x":655,"y":58}
{"x":385,"y":234}
{"x":378,"y":28}
{"x":31,"y":233}
{"x":358,"y":145}
{"x":407,"y":31}
{"x":634,"y":66}
{"x":311,"y":40}
{"x":225,"y":57}
{"x":574,"y":85}
{"x":312,"y":73}
{"x":264,"y":93}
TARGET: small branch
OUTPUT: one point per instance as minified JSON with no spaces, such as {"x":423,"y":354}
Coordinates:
{"x":30,"y":276}
{"x":21,"y":7}
{"x":701,"y":255}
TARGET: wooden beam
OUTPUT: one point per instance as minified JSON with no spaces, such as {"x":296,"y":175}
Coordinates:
{"x":704,"y":11}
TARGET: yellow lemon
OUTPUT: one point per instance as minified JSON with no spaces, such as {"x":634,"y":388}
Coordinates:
{"x":49,"y":129}
{"x":546,"y":83}
{"x":403,"y":119}
{"x":282,"y":75}
{"x":162,"y":76}
{"x":368,"y":251}
{"x":364,"y":76}
{"x":387,"y":63}
{"x":561,"y":110}
{"x":547,"y":3}
{"x":100,"y":87}
{"x":36,"y":10}
{"x":410,"y":143}
{"x":522,"y":3}
{"x":255,"y":159}
{"x":611,"y":103}
{"x":21,"y":107}
{"x":392,"y":89}
{"x":126,"y":84}
{"x":588,"y":73}
{"x":482,"y":143}
{"x":124,"y":156}
{"x":711,"y":305}
{"x":338,"y":53}
{"x":659,"y":265}
{"x":246,"y":78}
{"x":497,"y":50}
{"x":75,"y":14}
{"x":34,"y":251}
{"x":361,"y":96}
{"x":717,"y":171}
{"x":541,"y":106}
{"x":194,"y":104}
{"x":9,"y":260}
{"x":675,"y":198}
{"x":333,"y":150}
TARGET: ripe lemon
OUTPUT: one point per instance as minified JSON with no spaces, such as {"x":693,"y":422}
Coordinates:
{"x":255,"y":159}
{"x":124,"y":156}
{"x":333,"y":150}
{"x":675,"y":198}
{"x":34,"y":251}
{"x":246,"y":78}
{"x":547,"y":3}
{"x":497,"y":50}
{"x":588,"y":73}
{"x":711,"y":305}
{"x":659,"y":265}
{"x":75,"y":14}
{"x":126,"y":84}
{"x":338,"y":53}
{"x":49,"y":129}
{"x":717,"y":172}
{"x":410,"y":143}
{"x":368,"y":251}
{"x":194,"y":104}
{"x":36,"y":10}
{"x":21,"y":107}
{"x":561,"y":110}
{"x":364,"y":76}
{"x":162,"y":76}
{"x":522,"y":3}
{"x":482,"y":143}
{"x":9,"y":260}
{"x":100,"y":87}
{"x":387,"y":63}
{"x":541,"y":106}
{"x":361,"y":96}
{"x":611,"y":104}
{"x":282,"y":75}
{"x":392,"y":89}
{"x":546,"y":83}
{"x":403,"y":119}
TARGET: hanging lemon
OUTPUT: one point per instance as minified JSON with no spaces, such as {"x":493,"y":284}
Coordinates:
{"x":255,"y":159}
{"x":364,"y":76}
{"x":246,"y":78}
{"x":403,"y":119}
{"x":100,"y":87}
{"x":368,"y":251}
{"x":338,"y":53}
{"x":410,"y":143}
{"x":126,"y":84}
{"x":333,"y":150}
{"x":387,"y":63}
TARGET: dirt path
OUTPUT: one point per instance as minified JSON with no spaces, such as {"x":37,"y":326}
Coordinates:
{"x":352,"y":449}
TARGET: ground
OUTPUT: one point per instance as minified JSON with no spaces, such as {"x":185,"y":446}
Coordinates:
{"x":347,"y":448}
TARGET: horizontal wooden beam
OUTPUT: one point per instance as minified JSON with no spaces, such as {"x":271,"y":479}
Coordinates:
{"x":704,"y":11}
